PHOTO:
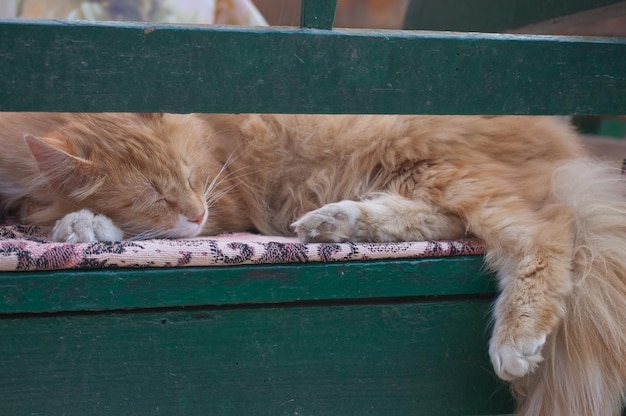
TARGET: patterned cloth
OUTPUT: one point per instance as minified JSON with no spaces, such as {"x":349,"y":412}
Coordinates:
{"x":27,"y":248}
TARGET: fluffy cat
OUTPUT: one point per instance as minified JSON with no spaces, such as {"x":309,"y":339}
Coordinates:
{"x":139,"y":170}
{"x":552,"y":219}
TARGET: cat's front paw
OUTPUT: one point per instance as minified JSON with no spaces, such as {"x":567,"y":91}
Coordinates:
{"x":515,"y":357}
{"x":84,"y":226}
{"x":332,"y":223}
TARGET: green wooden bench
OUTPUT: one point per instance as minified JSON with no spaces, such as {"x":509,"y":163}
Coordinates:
{"x":402,"y":337}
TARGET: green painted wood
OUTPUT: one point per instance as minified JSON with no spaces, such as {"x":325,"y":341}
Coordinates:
{"x":491,"y":15}
{"x":317,"y":14}
{"x":382,"y":359}
{"x":136,"y":67}
{"x":89,"y":290}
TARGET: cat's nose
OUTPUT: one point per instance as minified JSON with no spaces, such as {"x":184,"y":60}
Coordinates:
{"x":199,"y":219}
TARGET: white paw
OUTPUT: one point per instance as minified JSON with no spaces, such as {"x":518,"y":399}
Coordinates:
{"x":514,"y":360}
{"x":332,"y":223}
{"x":84,"y":226}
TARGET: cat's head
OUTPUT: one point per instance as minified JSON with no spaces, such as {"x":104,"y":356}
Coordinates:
{"x":142,"y":171}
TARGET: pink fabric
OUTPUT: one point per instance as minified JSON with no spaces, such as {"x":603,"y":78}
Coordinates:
{"x":27,"y":248}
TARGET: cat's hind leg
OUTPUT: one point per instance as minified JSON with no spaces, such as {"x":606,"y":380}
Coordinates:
{"x":383,"y":217}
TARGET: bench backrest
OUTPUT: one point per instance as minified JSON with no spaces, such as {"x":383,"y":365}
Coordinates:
{"x":73,"y":66}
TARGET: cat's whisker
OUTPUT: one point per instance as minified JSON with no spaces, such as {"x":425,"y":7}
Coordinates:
{"x":217,"y":180}
{"x":231,"y":176}
{"x":211,"y":203}
{"x":214,"y":196}
{"x":146,"y":235}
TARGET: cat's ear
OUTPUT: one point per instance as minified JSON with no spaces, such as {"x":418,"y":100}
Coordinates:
{"x":63,"y":170}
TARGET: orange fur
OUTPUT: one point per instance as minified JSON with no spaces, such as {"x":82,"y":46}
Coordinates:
{"x":553,"y":222}
{"x":138,"y":169}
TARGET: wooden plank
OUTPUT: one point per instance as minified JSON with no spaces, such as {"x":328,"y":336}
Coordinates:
{"x":495,"y":15}
{"x":89,"y":290}
{"x":393,"y":359}
{"x":317,"y":14}
{"x":137,"y":67}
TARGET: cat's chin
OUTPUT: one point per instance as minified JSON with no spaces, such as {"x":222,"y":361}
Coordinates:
{"x":185,"y":228}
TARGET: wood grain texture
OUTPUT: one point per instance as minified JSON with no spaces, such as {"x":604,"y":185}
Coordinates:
{"x":136,"y":67}
{"x":379,"y":359}
{"x":91,"y":290}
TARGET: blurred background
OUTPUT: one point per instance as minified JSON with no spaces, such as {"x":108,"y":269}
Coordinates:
{"x":379,"y":14}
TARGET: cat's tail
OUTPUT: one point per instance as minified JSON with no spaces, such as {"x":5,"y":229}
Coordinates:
{"x":584,"y":368}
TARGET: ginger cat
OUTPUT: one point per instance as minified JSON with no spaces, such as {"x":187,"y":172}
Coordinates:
{"x":139,"y":170}
{"x":553,"y":220}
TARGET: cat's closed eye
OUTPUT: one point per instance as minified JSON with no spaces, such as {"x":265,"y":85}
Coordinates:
{"x":195,"y":182}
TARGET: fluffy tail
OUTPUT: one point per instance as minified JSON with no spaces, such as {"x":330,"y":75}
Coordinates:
{"x":584,"y":368}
